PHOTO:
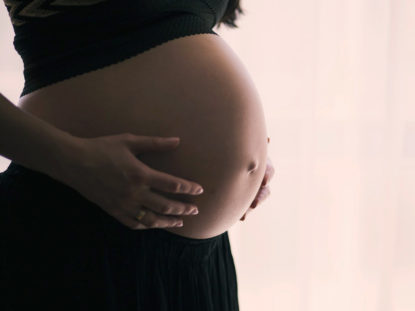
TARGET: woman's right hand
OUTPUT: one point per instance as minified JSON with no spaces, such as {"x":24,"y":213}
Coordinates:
{"x":105,"y":171}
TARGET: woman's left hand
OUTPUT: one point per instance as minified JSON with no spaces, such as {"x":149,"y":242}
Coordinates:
{"x":264,"y":191}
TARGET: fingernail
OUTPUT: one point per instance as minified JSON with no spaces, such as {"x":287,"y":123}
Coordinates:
{"x":199,"y":191}
{"x":172,"y":140}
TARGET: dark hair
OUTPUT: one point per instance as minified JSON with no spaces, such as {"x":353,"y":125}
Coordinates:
{"x":233,"y":10}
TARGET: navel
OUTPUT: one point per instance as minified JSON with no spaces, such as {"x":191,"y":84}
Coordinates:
{"x":253,"y":166}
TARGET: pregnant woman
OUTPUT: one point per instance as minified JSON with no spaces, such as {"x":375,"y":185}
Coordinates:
{"x":90,"y":226}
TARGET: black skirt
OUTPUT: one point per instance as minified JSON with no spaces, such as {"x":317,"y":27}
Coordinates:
{"x":61,"y":251}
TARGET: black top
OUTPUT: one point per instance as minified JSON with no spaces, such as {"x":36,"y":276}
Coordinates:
{"x":59,"y":39}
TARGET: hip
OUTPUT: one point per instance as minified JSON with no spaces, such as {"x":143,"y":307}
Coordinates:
{"x":58,"y":247}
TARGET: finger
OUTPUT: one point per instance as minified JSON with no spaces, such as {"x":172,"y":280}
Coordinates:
{"x":261,"y":197}
{"x":169,"y":183}
{"x":162,"y":205}
{"x":155,"y":220}
{"x":140,"y":144}
{"x":256,"y":197}
{"x":269,"y":173}
{"x":264,"y":193}
{"x":246,"y":214}
{"x":261,"y":189}
{"x":266,"y":177}
{"x":270,"y":169}
{"x":130,"y":222}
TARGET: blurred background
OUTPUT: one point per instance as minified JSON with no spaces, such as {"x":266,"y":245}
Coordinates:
{"x":337,"y":81}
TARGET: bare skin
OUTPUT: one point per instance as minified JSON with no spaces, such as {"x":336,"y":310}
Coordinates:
{"x":193,"y":87}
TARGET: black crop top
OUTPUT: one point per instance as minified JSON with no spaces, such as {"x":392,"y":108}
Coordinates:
{"x":60,"y":39}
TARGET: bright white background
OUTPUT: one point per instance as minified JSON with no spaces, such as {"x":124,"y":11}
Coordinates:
{"x":337,"y":80}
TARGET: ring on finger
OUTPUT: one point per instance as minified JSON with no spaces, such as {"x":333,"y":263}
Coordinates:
{"x":140,"y":214}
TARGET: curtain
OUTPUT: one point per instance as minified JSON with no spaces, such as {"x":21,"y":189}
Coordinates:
{"x":337,"y":81}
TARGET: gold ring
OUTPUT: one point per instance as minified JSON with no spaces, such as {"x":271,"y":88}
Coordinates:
{"x":140,"y":214}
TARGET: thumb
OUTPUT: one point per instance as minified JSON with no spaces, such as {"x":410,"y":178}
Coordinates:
{"x":140,"y":144}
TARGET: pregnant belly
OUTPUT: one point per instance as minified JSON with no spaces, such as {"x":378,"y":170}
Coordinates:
{"x":193,"y":87}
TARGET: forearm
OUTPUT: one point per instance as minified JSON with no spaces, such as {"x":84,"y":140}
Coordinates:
{"x":32,"y":142}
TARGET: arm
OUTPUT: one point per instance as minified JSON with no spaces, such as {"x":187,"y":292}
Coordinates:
{"x":32,"y":142}
{"x":104,"y":170}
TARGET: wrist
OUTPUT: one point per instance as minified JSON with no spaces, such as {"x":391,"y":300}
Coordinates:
{"x":66,"y":154}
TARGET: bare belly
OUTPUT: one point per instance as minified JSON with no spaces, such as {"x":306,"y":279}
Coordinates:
{"x":193,"y":87}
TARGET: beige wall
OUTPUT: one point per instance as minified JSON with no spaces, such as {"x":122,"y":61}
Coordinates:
{"x":337,"y":80}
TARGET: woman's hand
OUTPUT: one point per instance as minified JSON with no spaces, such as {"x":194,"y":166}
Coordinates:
{"x":105,"y":171}
{"x":263,"y":191}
